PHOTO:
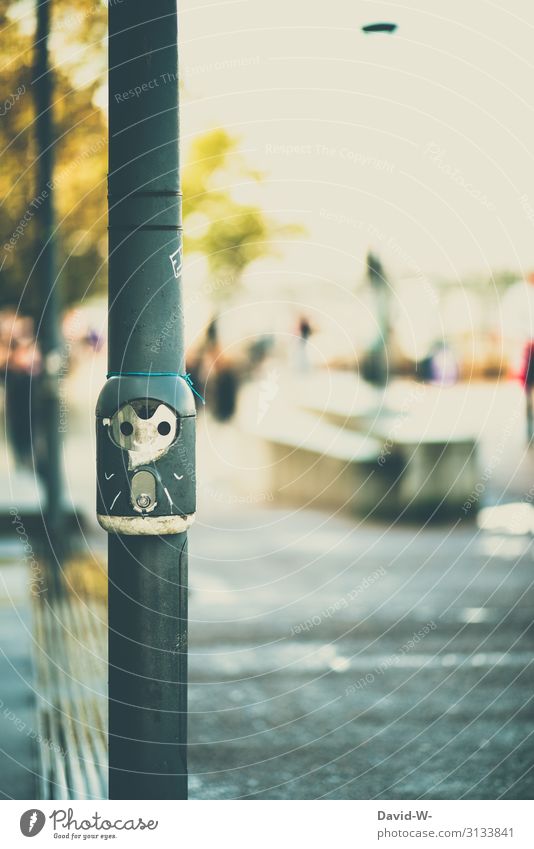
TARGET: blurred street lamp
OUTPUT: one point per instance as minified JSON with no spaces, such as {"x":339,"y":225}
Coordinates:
{"x":376,"y":276}
{"x":382,"y":292}
{"x":380,"y":27}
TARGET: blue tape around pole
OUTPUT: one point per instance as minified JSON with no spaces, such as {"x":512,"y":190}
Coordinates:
{"x":186,"y":377}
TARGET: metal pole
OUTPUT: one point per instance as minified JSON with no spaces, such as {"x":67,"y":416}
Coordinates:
{"x":45,"y":271}
{"x":382,"y":292}
{"x":147,"y":574}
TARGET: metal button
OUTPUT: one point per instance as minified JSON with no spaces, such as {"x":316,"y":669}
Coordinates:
{"x":143,"y":493}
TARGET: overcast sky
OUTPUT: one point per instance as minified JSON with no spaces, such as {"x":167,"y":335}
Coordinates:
{"x":419,"y":144}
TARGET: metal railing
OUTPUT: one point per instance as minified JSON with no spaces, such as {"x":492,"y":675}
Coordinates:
{"x":71,"y":684}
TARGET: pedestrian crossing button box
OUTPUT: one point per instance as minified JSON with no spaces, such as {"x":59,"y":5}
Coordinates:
{"x":145,"y":444}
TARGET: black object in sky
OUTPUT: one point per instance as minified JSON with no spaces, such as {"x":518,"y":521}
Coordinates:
{"x":379,"y":28}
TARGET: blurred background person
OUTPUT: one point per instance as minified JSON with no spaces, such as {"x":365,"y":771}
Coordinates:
{"x":527,"y":378}
{"x":22,"y":367}
{"x":304,"y":331}
{"x":215,"y":375}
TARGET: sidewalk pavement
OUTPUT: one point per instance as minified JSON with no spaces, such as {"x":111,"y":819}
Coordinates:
{"x":19,"y":734}
{"x":301,"y":685}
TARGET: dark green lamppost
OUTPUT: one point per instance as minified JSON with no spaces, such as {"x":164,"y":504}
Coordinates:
{"x":145,"y":416}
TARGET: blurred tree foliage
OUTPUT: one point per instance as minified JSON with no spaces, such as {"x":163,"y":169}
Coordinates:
{"x":230,"y":233}
{"x":80,"y":153}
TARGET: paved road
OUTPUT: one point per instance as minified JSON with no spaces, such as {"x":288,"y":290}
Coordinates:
{"x":335,"y":661}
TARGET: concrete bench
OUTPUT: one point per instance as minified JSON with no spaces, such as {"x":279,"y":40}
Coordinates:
{"x":314,"y":463}
{"x":437,"y":473}
{"x":342,"y":453}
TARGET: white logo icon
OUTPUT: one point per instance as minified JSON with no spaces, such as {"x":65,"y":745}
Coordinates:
{"x":176,"y":261}
{"x":32,"y":822}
